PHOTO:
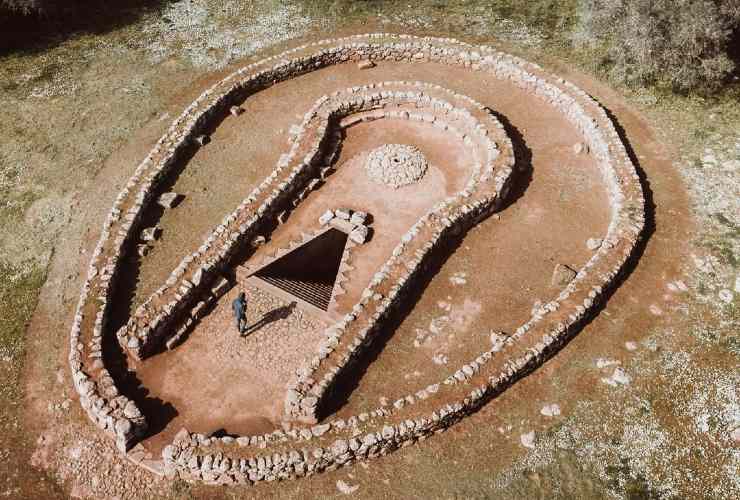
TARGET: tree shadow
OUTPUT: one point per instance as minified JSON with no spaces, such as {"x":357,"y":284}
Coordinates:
{"x":60,"y":20}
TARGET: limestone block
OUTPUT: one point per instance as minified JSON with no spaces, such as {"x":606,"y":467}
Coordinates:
{"x":202,"y":140}
{"x":343,"y":213}
{"x":169,"y":199}
{"x":221,"y":287}
{"x":359,"y":234}
{"x":326,"y":217}
{"x":366,"y":64}
{"x":562,"y":275}
{"x":358,"y":218}
{"x":151,"y":233}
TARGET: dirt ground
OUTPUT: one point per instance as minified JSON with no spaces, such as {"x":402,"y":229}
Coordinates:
{"x":606,"y":437}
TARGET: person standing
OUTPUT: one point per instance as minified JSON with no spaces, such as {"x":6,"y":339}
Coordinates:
{"x":239,"y":306}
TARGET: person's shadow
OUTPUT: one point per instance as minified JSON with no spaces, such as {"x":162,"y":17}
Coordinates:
{"x":275,"y":315}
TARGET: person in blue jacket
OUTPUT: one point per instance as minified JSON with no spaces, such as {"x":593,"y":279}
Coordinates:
{"x":239,"y":306}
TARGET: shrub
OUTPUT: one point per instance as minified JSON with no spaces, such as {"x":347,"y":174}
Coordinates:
{"x":26,"y":6}
{"x":683,"y":44}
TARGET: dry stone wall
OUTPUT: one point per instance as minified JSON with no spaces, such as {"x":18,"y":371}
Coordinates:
{"x":301,"y":452}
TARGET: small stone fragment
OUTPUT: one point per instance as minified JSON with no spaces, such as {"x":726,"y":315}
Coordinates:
{"x":169,"y":200}
{"x":258,"y":241}
{"x":343,"y":213}
{"x":236,"y":110}
{"x":528,"y":439}
{"x":345,"y":488}
{"x":202,"y":140}
{"x":726,"y":296}
{"x":358,"y":218}
{"x":326,"y":217}
{"x":562,"y":275}
{"x":359,"y":234}
{"x":151,"y":233}
{"x":142,"y":250}
{"x":550,"y":410}
{"x":594,"y":243}
{"x":365,"y":64}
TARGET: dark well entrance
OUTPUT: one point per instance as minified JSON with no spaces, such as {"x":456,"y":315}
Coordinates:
{"x":309,"y":271}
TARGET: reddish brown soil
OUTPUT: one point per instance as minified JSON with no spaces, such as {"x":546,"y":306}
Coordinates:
{"x":508,"y":264}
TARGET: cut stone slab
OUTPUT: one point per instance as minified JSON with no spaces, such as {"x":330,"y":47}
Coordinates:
{"x":221,"y":287}
{"x":365,"y":64}
{"x":562,"y":275}
{"x":202,"y":140}
{"x":343,"y":213}
{"x":359,"y":234}
{"x":326,"y":217}
{"x":169,"y":200}
{"x":594,"y":243}
{"x":341,"y":224}
{"x":151,"y":233}
{"x":258,"y":241}
{"x":358,"y":218}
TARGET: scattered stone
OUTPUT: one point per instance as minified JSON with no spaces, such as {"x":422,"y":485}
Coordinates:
{"x":343,"y":213}
{"x":151,"y":233}
{"x":654,"y":309}
{"x":169,"y":200}
{"x":202,"y":140}
{"x":236,"y":110}
{"x":358,"y":218}
{"x":459,"y":278}
{"x":345,"y":488}
{"x":221,"y":287}
{"x":396,"y":165}
{"x":342,"y":224}
{"x":737,"y":284}
{"x":562,"y":275}
{"x":735,"y":435}
{"x":143,"y":250}
{"x":359,"y":234}
{"x":594,"y":243}
{"x":619,"y":377}
{"x":580,"y":148}
{"x":326,"y":217}
{"x":726,"y":296}
{"x":603,"y":362}
{"x":677,"y":286}
{"x":631,"y":346}
{"x":258,"y":241}
{"x":528,"y":439}
{"x":550,"y":410}
{"x":439,"y":359}
{"x":365,"y":64}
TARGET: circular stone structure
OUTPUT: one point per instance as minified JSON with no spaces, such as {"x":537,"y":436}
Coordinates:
{"x":312,"y":441}
{"x":396,"y":165}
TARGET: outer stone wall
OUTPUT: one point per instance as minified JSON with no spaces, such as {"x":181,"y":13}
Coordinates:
{"x":281,"y":454}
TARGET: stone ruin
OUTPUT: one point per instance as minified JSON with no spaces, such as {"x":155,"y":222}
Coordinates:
{"x":396,"y":165}
{"x":199,"y":279}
